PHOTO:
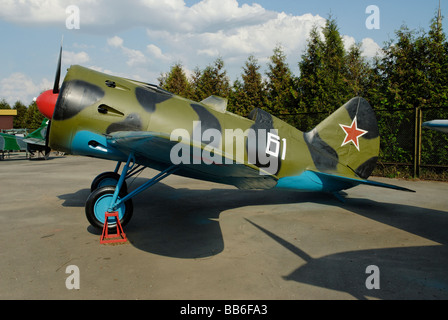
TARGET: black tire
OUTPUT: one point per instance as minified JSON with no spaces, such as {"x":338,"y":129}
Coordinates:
{"x":107,"y":179}
{"x":97,"y":204}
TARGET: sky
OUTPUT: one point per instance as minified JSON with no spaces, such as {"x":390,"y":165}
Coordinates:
{"x":141,"y":39}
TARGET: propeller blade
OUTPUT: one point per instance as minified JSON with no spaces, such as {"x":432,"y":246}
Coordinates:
{"x":58,"y":72}
{"x":47,"y":138}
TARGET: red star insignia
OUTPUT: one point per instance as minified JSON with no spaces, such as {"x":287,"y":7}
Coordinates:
{"x":352,"y":133}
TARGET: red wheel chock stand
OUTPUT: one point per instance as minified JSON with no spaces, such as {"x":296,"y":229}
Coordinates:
{"x":120,"y":236}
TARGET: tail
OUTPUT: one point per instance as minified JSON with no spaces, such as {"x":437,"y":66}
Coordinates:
{"x":40,"y":133}
{"x":347,"y":142}
{"x":344,"y":148}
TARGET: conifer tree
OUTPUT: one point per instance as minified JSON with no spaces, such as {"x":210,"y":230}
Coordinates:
{"x":333,"y":73}
{"x":213,"y":80}
{"x":176,"y":81}
{"x":18,"y":121}
{"x":250,"y":93}
{"x":357,"y":72}
{"x":310,"y":83}
{"x":281,"y":86}
{"x":4,"y":104}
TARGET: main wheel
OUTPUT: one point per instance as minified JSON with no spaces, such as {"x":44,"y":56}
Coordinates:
{"x":108,"y":178}
{"x":98,"y":203}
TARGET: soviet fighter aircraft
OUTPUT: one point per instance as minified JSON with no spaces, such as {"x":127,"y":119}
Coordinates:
{"x":139,"y":124}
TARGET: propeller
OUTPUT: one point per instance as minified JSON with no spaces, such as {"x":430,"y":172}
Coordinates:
{"x":46,"y":101}
{"x":58,"y":72}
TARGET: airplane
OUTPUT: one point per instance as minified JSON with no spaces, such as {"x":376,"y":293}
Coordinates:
{"x":35,"y":141}
{"x":141,"y":125}
{"x":9,"y":142}
{"x":438,"y":125}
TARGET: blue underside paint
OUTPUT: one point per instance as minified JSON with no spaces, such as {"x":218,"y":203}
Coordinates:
{"x":319,"y":181}
{"x":312,"y":181}
{"x":102,"y":206}
{"x":86,"y":143}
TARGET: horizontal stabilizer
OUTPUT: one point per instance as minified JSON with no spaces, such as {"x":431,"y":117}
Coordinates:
{"x":319,"y":181}
{"x":356,"y":182}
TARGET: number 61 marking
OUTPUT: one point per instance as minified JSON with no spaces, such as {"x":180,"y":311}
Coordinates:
{"x":275,"y":141}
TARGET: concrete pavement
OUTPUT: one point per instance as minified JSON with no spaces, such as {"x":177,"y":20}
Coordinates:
{"x":190,"y":239}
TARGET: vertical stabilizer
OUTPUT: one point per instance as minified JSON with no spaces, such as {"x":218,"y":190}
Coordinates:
{"x":347,"y":142}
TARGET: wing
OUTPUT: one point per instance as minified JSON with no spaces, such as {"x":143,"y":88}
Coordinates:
{"x":35,"y":141}
{"x":156,"y":150}
{"x":10,"y":142}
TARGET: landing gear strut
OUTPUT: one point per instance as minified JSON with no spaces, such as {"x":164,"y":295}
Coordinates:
{"x":109,"y":193}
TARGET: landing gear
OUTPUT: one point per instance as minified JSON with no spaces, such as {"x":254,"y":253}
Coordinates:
{"x":98,"y":204}
{"x":106,"y":179}
{"x":109,"y":193}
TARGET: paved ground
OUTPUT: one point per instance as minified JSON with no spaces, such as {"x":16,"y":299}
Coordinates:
{"x":190,"y":239}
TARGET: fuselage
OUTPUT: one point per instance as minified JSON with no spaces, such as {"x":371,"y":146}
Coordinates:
{"x":92,"y":105}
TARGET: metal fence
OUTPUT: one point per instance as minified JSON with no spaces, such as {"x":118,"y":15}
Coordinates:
{"x":406,"y":148}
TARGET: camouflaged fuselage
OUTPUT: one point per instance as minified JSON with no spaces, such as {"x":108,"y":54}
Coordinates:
{"x":94,"y":108}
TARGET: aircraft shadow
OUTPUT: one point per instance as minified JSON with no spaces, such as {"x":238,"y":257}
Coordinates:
{"x":408,"y":273}
{"x":182,"y":223}
{"x":415,"y":272}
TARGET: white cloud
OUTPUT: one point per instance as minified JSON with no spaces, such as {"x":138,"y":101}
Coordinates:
{"x":348,"y":42}
{"x":115,"y":42}
{"x":370,"y":48}
{"x":194,"y":35}
{"x":33,"y":11}
{"x":19,"y":86}
{"x":157,"y":53}
{"x":135,"y":58}
{"x":102,"y":15}
{"x":70,"y":57}
{"x":237,"y":41}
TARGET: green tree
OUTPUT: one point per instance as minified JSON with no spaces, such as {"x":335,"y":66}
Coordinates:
{"x":213,"y":80}
{"x":281,"y":86}
{"x":176,"y":81}
{"x":250,"y":93}
{"x":412,"y":74}
{"x":329,"y":76}
{"x":33,"y":118}
{"x":310,"y":81}
{"x":4,"y":104}
{"x":335,"y":92}
{"x":357,"y":72}
{"x":19,"y":119}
